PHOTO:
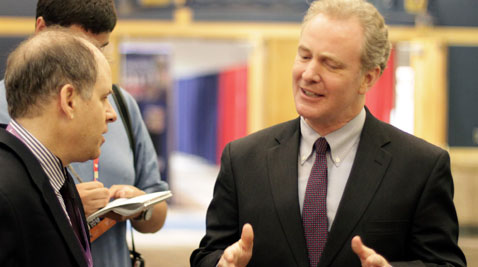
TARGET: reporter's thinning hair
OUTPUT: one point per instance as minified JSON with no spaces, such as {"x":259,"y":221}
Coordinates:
{"x":39,"y":67}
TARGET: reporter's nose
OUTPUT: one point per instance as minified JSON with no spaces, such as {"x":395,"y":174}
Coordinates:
{"x":111,"y":115}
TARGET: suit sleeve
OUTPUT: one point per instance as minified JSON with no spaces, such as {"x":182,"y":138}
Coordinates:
{"x":434,"y":233}
{"x":222,"y":229}
{"x":8,"y":233}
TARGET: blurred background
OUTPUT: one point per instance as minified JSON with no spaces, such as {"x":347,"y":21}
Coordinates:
{"x":206,"y":72}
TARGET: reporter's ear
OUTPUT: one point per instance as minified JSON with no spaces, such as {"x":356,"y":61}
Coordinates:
{"x":67,"y":100}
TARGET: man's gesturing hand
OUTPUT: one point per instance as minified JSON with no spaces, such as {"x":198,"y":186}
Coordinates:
{"x":368,"y":257}
{"x":239,"y":253}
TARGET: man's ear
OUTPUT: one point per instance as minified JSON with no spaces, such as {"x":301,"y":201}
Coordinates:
{"x":369,"y":79}
{"x":40,"y":24}
{"x":68,"y":100}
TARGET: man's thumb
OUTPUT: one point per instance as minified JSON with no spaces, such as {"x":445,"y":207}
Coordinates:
{"x":247,"y":237}
{"x":360,"y":249}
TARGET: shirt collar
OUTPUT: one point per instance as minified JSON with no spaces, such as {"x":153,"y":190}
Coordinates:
{"x":50,"y":163}
{"x":340,"y":141}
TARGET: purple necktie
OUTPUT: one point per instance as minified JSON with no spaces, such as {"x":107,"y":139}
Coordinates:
{"x":72,"y":208}
{"x":314,"y":211}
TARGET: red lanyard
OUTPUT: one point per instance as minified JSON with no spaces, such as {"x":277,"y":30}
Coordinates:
{"x":95,"y":169}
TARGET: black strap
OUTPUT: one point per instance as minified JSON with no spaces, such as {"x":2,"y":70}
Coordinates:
{"x":124,"y":114}
{"x":132,"y":242}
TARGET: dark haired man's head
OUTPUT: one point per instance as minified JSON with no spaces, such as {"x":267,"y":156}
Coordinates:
{"x":94,"y":16}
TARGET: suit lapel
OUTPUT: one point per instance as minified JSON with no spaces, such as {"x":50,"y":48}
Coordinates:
{"x":283,"y":179}
{"x":42,"y":183}
{"x":61,"y":221}
{"x":369,"y":167}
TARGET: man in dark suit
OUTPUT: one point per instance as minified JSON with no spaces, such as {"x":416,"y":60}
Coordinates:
{"x":57,"y":98}
{"x":307,"y":192}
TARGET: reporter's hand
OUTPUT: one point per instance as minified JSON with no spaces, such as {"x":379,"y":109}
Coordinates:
{"x":239,"y":254}
{"x":368,"y":257}
{"x":94,"y":196}
{"x":123,"y":191}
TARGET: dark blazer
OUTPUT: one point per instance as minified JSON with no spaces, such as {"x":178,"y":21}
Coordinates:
{"x":399,"y":199}
{"x":34,"y":230}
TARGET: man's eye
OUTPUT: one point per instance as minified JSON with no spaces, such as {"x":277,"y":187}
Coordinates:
{"x":332,"y":65}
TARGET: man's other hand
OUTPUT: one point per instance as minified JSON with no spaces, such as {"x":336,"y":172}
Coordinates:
{"x":239,"y":253}
{"x":368,"y":257}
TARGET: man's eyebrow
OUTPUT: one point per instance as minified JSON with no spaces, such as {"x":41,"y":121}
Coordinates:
{"x":331,"y":57}
{"x":302,"y":48}
{"x":105,"y":44}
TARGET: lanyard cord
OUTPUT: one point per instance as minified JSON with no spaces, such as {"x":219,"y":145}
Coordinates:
{"x":95,"y":169}
{"x":75,"y":174}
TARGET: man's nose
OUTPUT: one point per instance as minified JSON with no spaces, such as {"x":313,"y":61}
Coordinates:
{"x":311,"y":72}
{"x":111,"y":115}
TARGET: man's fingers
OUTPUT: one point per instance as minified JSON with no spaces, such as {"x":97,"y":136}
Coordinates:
{"x":229,"y":255}
{"x":125,"y":191}
{"x":89,"y":185}
{"x":222,"y":261}
{"x":376,"y":260}
{"x":360,"y":249}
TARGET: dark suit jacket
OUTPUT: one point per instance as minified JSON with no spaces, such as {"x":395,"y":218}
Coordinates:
{"x":399,"y":199}
{"x":34,"y":230}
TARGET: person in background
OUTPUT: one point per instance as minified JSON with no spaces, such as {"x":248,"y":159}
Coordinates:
{"x":57,"y":94}
{"x":121,"y":171}
{"x":336,"y":186}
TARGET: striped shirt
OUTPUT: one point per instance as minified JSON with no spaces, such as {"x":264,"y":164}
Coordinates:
{"x":50,"y":163}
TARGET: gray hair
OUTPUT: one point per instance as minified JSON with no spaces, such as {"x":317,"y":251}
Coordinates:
{"x":376,"y":47}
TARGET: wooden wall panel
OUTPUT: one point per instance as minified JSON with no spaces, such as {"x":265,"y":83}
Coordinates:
{"x":278,"y":100}
{"x":429,"y":63}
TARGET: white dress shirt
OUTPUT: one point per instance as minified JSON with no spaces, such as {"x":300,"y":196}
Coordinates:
{"x":343,"y":144}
